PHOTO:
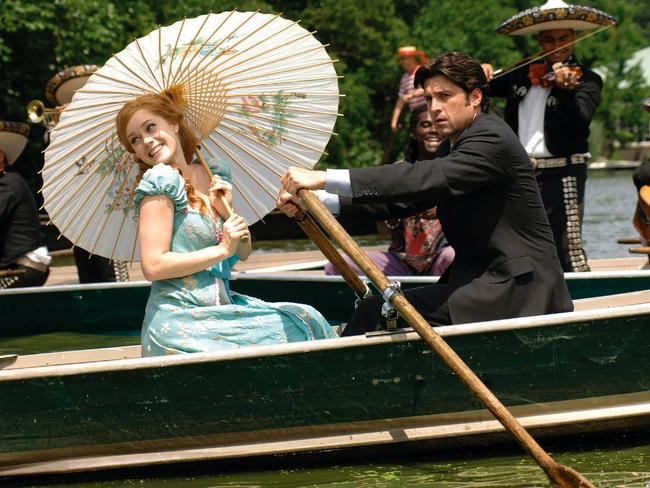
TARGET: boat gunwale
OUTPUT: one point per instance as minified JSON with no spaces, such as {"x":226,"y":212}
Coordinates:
{"x":541,"y":419}
{"x":244,"y":275}
{"x":372,"y":339}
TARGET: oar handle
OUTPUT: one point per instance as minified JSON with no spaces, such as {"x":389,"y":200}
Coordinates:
{"x":220,"y":195}
{"x":556,"y":472}
{"x":315,"y":233}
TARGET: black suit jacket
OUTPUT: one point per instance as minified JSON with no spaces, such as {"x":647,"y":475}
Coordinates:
{"x":567,"y":115}
{"x":492,"y":215}
{"x":20,"y":230}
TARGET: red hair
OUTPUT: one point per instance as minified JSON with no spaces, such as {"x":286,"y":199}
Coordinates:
{"x":166,"y":105}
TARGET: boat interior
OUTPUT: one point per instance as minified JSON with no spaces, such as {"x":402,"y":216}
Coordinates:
{"x":14,"y":362}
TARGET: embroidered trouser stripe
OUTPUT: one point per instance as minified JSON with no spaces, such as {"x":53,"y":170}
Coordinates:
{"x":562,"y":191}
{"x":8,"y":281}
{"x":121,"y":271}
{"x":573,"y":224}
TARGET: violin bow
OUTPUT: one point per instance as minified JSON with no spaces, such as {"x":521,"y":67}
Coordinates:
{"x":540,"y":54}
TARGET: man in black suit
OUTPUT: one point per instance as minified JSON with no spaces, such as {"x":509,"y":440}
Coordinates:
{"x":488,"y":203}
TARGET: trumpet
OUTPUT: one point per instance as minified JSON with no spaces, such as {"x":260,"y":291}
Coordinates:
{"x":38,"y":113}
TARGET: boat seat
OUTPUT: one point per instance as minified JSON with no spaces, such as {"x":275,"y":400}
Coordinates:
{"x":632,"y":298}
{"x":645,"y":250}
{"x":69,"y":357}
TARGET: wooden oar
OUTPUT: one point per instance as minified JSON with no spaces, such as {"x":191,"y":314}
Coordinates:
{"x":220,"y":195}
{"x":557,"y":473}
{"x":315,"y":233}
{"x":8,"y":273}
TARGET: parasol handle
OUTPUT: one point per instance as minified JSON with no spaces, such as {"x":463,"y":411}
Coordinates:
{"x":220,"y":195}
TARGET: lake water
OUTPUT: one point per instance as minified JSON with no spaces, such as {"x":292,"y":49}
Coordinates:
{"x":610,"y":200}
{"x":609,"y":206}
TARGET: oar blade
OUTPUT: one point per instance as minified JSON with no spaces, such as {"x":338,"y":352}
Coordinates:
{"x":565,"y":477}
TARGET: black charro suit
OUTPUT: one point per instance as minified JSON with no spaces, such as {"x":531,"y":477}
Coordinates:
{"x":567,"y":116}
{"x":492,"y":215}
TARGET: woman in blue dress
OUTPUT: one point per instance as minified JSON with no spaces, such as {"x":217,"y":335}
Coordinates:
{"x":187,"y":248}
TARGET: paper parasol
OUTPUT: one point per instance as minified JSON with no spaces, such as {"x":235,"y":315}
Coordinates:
{"x":260,"y":92}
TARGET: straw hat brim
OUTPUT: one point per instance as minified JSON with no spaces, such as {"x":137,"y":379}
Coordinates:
{"x":13,"y":138}
{"x":536,"y":19}
{"x":65,"y":83}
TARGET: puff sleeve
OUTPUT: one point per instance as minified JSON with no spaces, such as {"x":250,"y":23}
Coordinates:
{"x":162,"y":179}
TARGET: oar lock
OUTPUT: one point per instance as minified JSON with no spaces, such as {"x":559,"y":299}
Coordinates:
{"x":367,"y":293}
{"x":389,"y":312}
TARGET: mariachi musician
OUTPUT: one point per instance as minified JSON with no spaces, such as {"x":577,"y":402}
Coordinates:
{"x":550,"y":104}
{"x":59,"y":91}
{"x":24,"y":258}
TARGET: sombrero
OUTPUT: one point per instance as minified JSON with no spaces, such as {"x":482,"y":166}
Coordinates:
{"x":13,"y":137}
{"x":61,"y":86}
{"x":555,"y":14}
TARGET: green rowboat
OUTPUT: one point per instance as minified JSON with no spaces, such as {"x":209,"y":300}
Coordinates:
{"x":561,"y":375}
{"x":110,"y":307}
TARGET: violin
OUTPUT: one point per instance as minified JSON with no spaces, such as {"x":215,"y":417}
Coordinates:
{"x":540,"y":75}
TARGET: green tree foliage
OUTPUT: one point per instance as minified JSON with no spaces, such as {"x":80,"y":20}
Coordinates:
{"x":363,"y":35}
{"x":624,"y":88}
{"x":449,"y":26}
{"x":620,"y":114}
{"x":40,"y":37}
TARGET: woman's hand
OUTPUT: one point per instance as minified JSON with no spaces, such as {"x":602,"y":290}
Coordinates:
{"x":233,"y":230}
{"x":220,"y":189}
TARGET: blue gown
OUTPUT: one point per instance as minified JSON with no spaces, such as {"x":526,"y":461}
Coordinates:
{"x":198,"y":312}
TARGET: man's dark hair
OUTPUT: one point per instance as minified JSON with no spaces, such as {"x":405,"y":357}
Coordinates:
{"x":460,"y":69}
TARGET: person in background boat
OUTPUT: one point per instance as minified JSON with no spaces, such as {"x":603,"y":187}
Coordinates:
{"x":488,"y":204}
{"x":188,"y":247}
{"x":418,"y":246}
{"x":641,"y":176}
{"x":407,"y":94}
{"x":59,"y":90}
{"x":550,"y":104}
{"x":641,"y":219}
{"x":24,"y":258}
